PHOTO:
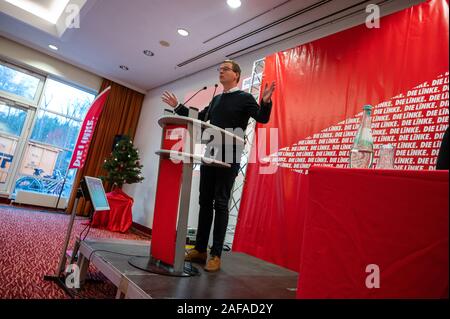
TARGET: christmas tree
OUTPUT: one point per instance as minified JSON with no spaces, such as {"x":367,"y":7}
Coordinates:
{"x":123,"y":165}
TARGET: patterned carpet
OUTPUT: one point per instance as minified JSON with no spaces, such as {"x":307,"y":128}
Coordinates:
{"x":30,"y":244}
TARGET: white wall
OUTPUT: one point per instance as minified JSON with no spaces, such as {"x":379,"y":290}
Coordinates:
{"x":148,"y":136}
{"x":26,"y":57}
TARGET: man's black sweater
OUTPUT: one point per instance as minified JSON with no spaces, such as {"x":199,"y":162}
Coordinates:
{"x":231,"y":111}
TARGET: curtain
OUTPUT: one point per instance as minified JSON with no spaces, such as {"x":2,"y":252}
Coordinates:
{"x":120,"y":116}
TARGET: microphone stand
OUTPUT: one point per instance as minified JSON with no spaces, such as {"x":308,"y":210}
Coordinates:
{"x":209,"y":110}
{"x":210,"y":103}
{"x":202,"y":89}
{"x":174,"y":110}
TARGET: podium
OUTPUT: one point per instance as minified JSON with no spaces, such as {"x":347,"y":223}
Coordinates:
{"x":181,"y":148}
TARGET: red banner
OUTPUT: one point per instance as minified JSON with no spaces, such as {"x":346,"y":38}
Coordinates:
{"x":400,"y":68}
{"x":87,"y":130}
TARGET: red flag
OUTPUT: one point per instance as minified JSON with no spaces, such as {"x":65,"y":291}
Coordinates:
{"x":87,"y":130}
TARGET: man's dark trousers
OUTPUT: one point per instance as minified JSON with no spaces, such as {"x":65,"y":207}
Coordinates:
{"x":216,"y":184}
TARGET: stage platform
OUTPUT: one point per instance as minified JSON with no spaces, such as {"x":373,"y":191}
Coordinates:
{"x":241,"y":276}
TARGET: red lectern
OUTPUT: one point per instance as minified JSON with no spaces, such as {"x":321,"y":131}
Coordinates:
{"x":181,"y":148}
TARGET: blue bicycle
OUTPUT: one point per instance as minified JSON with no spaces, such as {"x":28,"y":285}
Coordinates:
{"x":47,"y":184}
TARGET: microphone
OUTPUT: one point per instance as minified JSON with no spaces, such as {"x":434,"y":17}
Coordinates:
{"x":215,"y":88}
{"x":209,"y":109}
{"x":203,"y":88}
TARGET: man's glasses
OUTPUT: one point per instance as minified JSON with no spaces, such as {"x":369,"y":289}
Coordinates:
{"x":224,"y":69}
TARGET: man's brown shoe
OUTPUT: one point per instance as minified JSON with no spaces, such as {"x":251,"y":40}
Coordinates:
{"x":213,"y":264}
{"x":194,"y":255}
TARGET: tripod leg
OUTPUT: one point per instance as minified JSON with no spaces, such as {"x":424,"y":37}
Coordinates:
{"x":62,"y":258}
{"x":58,"y":276}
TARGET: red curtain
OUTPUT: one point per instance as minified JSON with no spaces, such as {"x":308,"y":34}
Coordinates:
{"x":324,"y":84}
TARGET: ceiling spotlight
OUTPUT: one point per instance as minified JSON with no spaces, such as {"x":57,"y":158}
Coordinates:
{"x":53,"y":47}
{"x":164,"y":43}
{"x":183,"y":32}
{"x":124,"y":67}
{"x":148,"y":53}
{"x":234,"y":3}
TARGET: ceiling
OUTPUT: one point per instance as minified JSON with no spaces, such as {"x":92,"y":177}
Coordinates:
{"x":48,"y":10}
{"x":112,"y":33}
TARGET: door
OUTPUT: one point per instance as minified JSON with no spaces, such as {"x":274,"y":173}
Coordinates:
{"x":14,"y":121}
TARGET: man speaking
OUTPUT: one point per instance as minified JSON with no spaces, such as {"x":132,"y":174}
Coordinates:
{"x":230,"y":110}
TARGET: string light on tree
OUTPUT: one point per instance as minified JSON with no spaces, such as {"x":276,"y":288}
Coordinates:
{"x":123,"y":165}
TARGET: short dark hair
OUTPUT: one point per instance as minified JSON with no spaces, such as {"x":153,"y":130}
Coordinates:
{"x":235,"y":67}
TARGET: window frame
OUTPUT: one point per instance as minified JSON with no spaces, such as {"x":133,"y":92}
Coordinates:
{"x":33,"y":107}
{"x":21,"y":99}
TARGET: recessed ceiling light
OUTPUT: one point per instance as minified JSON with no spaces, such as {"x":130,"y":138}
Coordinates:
{"x":234,"y":3}
{"x":148,"y":53}
{"x":124,"y":67}
{"x":183,"y":32}
{"x":164,"y":43}
{"x":53,"y":47}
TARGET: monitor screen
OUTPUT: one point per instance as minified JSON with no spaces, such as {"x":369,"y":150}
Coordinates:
{"x":97,"y":193}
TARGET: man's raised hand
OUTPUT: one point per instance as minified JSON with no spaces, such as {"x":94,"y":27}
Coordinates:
{"x":170,"y":99}
{"x":267,"y":92}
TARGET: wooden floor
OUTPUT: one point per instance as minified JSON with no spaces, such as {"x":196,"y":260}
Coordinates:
{"x":241,"y":276}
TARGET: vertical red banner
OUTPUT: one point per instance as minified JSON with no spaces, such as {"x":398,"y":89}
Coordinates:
{"x":87,"y":130}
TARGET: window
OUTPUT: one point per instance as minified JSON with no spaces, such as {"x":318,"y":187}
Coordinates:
{"x":48,"y":152}
{"x":12,"y":122}
{"x":12,"y":119}
{"x":66,"y":100}
{"x":55,"y":130}
{"x":21,"y":84}
{"x":40,"y":119}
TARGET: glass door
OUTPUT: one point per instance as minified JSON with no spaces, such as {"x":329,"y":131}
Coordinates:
{"x":40,"y":119}
{"x":14,"y":120}
{"x":43,"y":168}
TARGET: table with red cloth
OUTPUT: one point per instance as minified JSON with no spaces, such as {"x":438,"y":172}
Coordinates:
{"x":119,"y":218}
{"x":358,"y":218}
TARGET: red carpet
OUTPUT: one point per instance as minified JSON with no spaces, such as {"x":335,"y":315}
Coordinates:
{"x":30,"y":245}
